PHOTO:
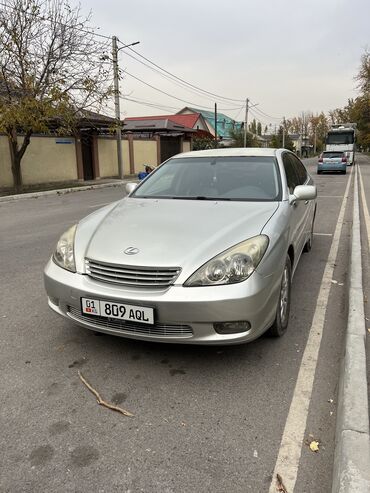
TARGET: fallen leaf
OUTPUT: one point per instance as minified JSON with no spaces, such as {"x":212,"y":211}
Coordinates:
{"x":280,"y":485}
{"x":314,"y":446}
{"x":334,"y":282}
{"x":255,"y":454}
{"x":331,"y":401}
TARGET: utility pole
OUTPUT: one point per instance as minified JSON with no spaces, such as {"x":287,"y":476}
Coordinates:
{"x":216,"y":143}
{"x":117,"y":110}
{"x":246,"y":121}
{"x":314,"y":141}
{"x":284,"y":132}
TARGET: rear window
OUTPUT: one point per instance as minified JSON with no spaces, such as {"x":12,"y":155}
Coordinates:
{"x":332,"y":154}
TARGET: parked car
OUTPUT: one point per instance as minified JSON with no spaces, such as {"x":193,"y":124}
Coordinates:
{"x":332,"y":161}
{"x":202,"y":251}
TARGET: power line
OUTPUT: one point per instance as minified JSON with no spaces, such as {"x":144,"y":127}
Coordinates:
{"x":258,"y":110}
{"x":175,"y":81}
{"x":52,"y":21}
{"x":174,"y":97}
{"x":152,"y":105}
{"x":184,"y":81}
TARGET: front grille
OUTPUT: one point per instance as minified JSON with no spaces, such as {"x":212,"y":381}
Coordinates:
{"x":128,"y":275}
{"x":126,"y":327}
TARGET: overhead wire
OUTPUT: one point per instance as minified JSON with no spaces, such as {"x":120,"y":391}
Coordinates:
{"x":169,"y":76}
{"x":182,"y":80}
{"x":172,"y":96}
{"x":177,"y":82}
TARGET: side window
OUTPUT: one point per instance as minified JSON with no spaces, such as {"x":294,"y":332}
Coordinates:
{"x":290,"y":172}
{"x":300,"y":169}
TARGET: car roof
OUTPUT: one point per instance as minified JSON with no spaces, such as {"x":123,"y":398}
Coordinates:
{"x":230,"y":151}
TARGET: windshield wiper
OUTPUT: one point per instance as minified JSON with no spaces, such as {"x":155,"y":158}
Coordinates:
{"x":200,"y":197}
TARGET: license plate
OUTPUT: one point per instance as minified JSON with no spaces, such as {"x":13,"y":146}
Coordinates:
{"x":121,"y":311}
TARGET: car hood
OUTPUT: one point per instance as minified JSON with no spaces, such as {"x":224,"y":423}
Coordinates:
{"x":171,"y":233}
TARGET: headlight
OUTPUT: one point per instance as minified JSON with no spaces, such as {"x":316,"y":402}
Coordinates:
{"x":234,"y":265}
{"x":64,"y":254}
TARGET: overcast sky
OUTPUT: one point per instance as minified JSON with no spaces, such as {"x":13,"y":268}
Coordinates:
{"x":288,"y":56}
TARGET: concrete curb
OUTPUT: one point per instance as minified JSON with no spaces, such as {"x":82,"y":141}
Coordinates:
{"x":62,"y":191}
{"x":351,"y":473}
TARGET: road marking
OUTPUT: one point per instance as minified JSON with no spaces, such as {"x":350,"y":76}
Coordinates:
{"x":364,"y":206}
{"x":287,"y":462}
{"x":97,"y":205}
{"x":323,"y":234}
{"x":329,"y":196}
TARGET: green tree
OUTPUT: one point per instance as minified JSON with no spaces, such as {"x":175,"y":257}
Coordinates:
{"x":253,"y":126}
{"x":201,"y":143}
{"x":237,"y":136}
{"x":259,"y":128}
{"x":51,"y":70}
{"x":277,"y":140}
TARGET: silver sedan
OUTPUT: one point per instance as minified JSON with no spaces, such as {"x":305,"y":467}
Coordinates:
{"x":203,"y":251}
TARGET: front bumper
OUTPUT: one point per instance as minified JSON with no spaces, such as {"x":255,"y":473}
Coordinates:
{"x":184,"y":315}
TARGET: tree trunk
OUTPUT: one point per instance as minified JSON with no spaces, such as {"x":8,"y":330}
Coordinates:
{"x":16,"y":154}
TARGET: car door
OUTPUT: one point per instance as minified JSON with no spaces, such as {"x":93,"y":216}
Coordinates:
{"x":297,"y":208}
{"x":307,"y":206}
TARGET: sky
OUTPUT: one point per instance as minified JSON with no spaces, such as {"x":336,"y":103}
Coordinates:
{"x":285,"y":56}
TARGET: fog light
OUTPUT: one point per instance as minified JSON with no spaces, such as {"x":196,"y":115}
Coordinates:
{"x":231,"y":327}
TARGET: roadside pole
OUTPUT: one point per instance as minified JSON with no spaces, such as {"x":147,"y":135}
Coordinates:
{"x":216,"y":137}
{"x":246,"y":121}
{"x":117,"y":106}
{"x":117,"y":109}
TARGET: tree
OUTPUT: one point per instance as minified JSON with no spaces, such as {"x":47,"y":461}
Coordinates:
{"x":201,"y":143}
{"x":277,"y":140}
{"x":237,"y":136}
{"x":259,"y":128}
{"x":253,"y":126}
{"x":52,"y":69}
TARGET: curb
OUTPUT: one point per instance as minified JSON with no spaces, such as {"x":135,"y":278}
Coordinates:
{"x":62,"y":191}
{"x":351,"y":471}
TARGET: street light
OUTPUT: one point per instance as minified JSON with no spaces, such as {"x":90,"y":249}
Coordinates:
{"x":115,"y":50}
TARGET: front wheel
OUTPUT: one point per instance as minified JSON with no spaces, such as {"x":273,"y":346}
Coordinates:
{"x":280,"y":325}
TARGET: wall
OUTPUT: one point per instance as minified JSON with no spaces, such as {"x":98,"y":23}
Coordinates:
{"x":47,"y":159}
{"x":6,"y":177}
{"x":107,"y":152}
{"x":186,"y":146}
{"x":145,"y":152}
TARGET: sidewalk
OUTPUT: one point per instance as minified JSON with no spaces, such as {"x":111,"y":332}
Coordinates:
{"x":70,"y":187}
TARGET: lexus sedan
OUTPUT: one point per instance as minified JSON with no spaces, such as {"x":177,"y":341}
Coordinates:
{"x":202,"y":251}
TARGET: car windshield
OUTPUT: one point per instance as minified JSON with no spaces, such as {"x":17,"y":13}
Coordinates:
{"x":214,"y":178}
{"x":331,"y":155}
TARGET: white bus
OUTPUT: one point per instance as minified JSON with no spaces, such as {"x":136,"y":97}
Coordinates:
{"x":342,"y":137}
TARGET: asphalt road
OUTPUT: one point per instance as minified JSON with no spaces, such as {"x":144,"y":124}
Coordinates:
{"x":206,"y":419}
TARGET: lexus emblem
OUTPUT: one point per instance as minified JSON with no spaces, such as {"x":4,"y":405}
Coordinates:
{"x":131,"y":251}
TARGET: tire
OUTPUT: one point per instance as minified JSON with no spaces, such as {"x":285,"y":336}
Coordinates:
{"x":344,"y":172}
{"x":319,"y":172}
{"x":280,"y":324}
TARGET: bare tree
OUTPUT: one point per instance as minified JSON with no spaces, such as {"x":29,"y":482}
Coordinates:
{"x":52,"y":69}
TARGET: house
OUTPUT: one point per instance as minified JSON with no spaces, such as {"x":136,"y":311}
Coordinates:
{"x":168,"y":136}
{"x":224,"y":123}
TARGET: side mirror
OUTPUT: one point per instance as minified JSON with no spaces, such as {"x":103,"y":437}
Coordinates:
{"x":130,"y":187}
{"x":303,"y":192}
